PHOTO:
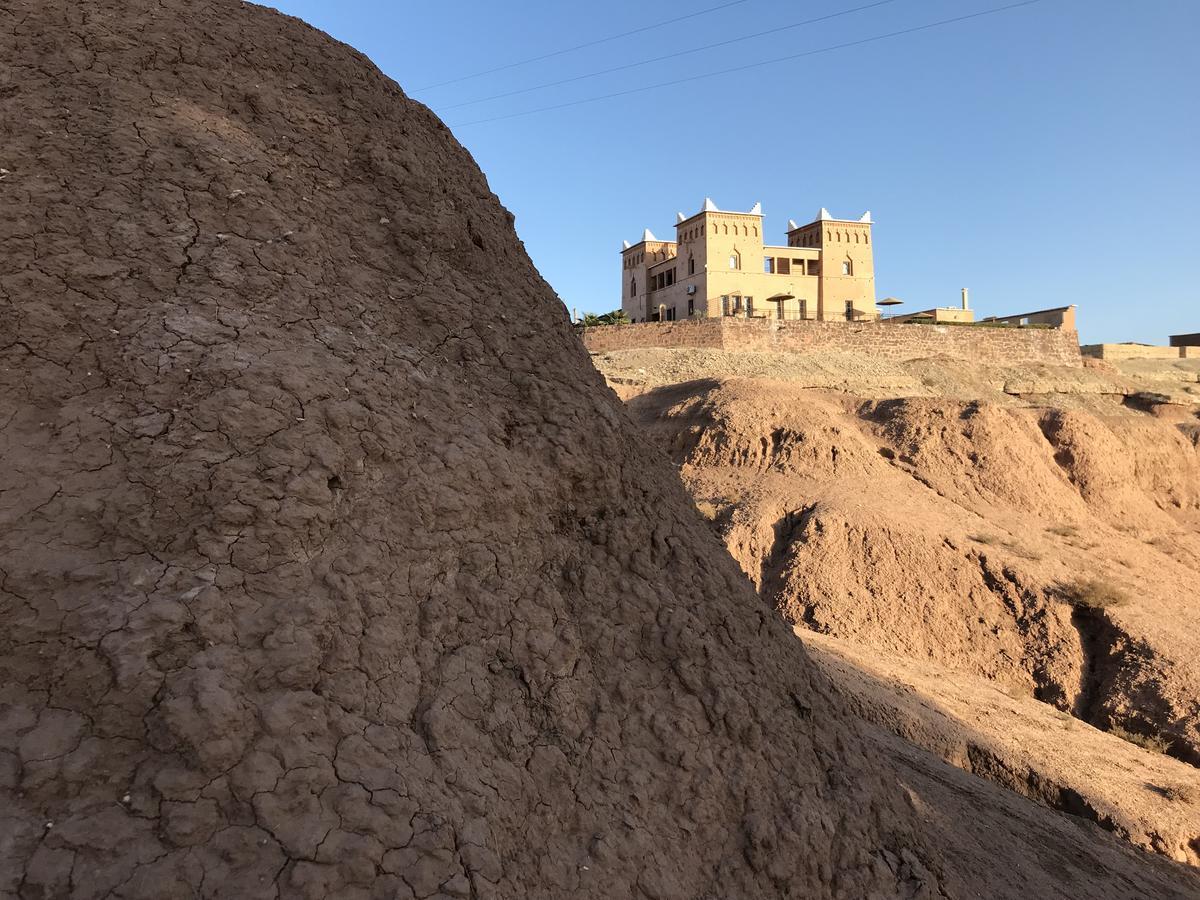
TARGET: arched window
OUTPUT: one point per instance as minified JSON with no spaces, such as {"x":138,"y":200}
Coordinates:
{"x":632,"y":287}
{"x":691,"y":265}
{"x":735,"y":260}
{"x":847,"y":267}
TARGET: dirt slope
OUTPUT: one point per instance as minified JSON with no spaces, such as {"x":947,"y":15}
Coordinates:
{"x":1029,"y":747}
{"x":327,"y":565}
{"x":952,"y":533}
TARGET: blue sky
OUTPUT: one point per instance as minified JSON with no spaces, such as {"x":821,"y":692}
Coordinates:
{"x":1040,"y":156}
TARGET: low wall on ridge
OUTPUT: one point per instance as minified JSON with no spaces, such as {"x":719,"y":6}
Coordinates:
{"x":971,"y":343}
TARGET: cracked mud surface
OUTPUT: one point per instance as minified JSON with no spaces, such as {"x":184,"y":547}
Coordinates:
{"x":327,"y":565}
{"x":329,"y":568}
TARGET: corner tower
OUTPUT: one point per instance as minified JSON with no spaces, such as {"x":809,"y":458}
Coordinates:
{"x":847,"y":277}
{"x":637,"y":283}
{"x":718,"y":249}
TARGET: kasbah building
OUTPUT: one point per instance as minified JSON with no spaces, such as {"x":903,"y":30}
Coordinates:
{"x":718,"y":265}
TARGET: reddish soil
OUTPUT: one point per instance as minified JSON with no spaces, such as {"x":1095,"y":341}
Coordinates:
{"x":328,"y":566}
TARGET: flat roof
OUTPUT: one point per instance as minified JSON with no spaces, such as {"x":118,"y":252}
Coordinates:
{"x":1036,"y":312}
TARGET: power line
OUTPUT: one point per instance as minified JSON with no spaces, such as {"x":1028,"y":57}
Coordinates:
{"x":604,"y":40}
{"x":646,"y":62}
{"x":765,"y":62}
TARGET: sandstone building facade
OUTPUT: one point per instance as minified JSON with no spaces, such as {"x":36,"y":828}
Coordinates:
{"x":719,"y":266}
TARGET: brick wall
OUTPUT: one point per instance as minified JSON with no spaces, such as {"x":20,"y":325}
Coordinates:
{"x":877,"y":339}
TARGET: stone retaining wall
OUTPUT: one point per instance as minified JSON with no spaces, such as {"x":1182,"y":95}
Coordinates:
{"x":878,"y":339}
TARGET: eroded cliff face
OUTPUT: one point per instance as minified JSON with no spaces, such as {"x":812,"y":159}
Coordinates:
{"x":969,"y":537}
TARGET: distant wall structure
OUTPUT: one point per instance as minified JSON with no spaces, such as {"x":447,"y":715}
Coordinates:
{"x":885,"y":340}
{"x":1117,"y":352}
{"x":1058,"y":317}
{"x":1185,"y":340}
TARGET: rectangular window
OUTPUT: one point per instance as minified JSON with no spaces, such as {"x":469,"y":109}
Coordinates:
{"x":768,"y":265}
{"x":799,"y":264}
{"x":749,"y":307}
{"x":814,"y":267}
{"x":849,"y":310}
{"x":691,"y":307}
{"x":783,"y":266}
{"x":804,"y":309}
{"x":724,"y":304}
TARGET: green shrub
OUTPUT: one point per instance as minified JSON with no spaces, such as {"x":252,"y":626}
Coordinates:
{"x":1145,"y":741}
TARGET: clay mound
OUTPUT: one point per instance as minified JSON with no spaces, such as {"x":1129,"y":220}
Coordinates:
{"x":329,"y":568}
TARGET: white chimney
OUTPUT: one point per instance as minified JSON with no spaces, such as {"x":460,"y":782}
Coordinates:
{"x":965,"y":305}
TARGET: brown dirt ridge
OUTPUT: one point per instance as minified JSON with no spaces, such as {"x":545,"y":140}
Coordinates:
{"x":329,"y":567}
{"x":983,"y":572}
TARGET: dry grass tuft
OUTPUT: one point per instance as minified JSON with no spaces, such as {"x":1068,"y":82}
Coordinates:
{"x":1063,"y":530}
{"x":1176,"y":793}
{"x":1023,"y":552}
{"x":986,"y":539}
{"x":1094,"y":593}
{"x":1065,"y":718}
